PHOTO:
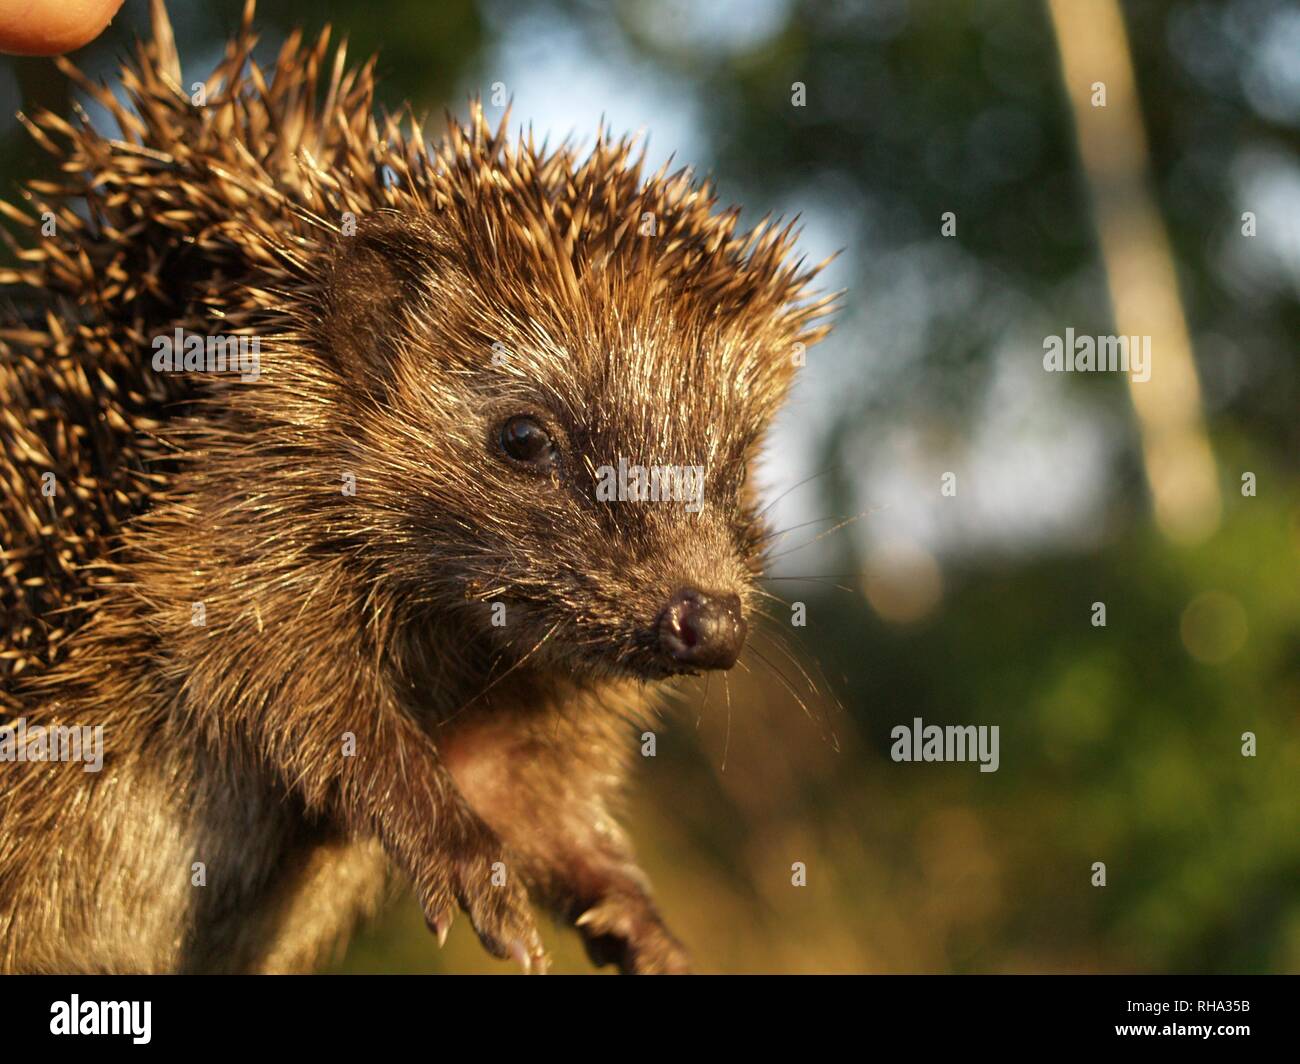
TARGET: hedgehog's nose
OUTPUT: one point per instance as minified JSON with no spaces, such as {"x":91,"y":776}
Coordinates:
{"x":702,"y":630}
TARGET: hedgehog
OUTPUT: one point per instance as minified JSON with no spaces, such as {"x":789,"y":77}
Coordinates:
{"x":337,"y":582}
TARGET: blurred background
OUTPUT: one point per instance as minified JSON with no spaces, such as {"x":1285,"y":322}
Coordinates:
{"x":983,"y":196}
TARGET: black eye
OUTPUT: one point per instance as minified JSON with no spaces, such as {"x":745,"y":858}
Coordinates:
{"x":524,"y":440}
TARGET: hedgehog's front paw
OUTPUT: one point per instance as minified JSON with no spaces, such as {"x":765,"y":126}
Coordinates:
{"x":480,"y":875}
{"x":624,"y":928}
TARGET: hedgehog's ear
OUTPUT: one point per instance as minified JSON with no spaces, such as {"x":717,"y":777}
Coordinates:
{"x":375,"y":273}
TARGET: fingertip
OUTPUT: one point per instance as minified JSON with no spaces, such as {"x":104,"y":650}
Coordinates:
{"x":51,"y":27}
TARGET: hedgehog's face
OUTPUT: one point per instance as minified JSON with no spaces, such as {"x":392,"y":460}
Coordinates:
{"x":621,"y":551}
{"x":589,"y":516}
{"x":570,"y":472}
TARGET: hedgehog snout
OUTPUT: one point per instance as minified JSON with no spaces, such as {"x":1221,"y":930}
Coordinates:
{"x":702,"y":630}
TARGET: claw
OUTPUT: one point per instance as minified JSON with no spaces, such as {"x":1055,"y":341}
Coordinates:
{"x":533,"y":962}
{"x":625,"y":929}
{"x":440,"y":925}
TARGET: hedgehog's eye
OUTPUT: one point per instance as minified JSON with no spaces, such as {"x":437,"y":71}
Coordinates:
{"x":524,"y":439}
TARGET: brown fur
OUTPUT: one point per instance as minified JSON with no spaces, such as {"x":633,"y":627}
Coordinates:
{"x":333,"y":617}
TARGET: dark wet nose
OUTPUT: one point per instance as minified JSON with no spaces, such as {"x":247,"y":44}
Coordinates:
{"x":702,"y":630}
